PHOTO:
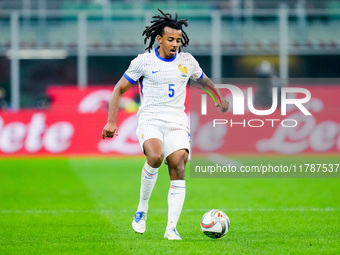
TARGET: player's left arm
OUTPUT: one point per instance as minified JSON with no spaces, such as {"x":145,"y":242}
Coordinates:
{"x":209,"y":87}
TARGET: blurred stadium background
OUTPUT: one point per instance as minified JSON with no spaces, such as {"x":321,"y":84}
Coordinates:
{"x":91,"y":42}
{"x":59,"y":61}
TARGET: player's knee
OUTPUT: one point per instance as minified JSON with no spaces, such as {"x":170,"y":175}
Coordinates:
{"x":177,"y":172}
{"x":155,"y":159}
{"x":179,"y":169}
{"x":182,"y":157}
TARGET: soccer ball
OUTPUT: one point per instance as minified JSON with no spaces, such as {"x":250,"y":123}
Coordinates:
{"x":215,"y":223}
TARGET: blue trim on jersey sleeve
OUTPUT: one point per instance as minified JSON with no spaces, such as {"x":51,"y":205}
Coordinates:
{"x":164,"y":59}
{"x":129,"y":79}
{"x":201,"y":77}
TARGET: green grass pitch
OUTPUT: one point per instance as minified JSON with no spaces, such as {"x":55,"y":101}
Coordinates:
{"x":86,"y":205}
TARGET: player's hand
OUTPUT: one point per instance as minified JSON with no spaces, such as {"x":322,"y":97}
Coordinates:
{"x":109,"y":130}
{"x":225,"y":105}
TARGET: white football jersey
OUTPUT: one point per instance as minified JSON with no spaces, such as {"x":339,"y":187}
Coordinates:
{"x":162,"y":85}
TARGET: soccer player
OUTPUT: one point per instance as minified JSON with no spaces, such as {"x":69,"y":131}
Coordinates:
{"x":162,"y":130}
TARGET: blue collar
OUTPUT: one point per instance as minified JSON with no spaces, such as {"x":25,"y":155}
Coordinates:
{"x":164,"y":59}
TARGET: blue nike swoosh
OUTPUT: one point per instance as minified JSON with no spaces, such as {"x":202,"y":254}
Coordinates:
{"x":155,"y":71}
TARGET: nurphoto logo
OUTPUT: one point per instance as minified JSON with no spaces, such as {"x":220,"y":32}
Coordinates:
{"x":238,"y":105}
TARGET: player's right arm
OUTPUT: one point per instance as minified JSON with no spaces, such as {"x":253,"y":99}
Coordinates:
{"x":110,"y":128}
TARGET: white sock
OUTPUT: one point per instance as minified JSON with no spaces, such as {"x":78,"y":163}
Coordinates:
{"x":176,"y":197}
{"x":148,"y":180}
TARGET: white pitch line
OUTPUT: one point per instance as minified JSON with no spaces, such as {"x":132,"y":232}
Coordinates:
{"x":160,"y":210}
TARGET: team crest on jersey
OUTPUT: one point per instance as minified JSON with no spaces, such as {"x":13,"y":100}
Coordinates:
{"x":184,"y":70}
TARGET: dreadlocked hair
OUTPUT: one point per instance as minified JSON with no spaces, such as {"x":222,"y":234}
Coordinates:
{"x":158,"y":26}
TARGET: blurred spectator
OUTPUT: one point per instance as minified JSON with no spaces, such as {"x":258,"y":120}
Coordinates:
{"x":266,"y":80}
{"x":43,"y":102}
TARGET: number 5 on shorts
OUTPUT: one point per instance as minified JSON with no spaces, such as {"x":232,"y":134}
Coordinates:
{"x":171,"y":90}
